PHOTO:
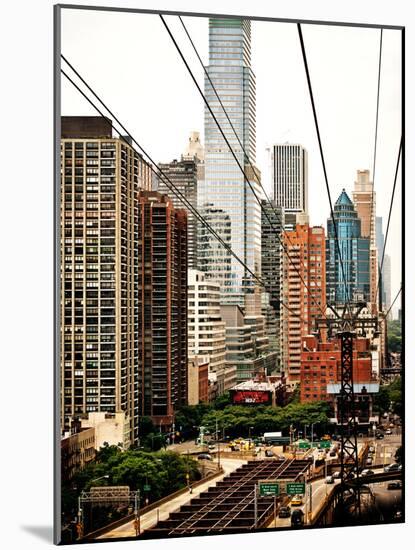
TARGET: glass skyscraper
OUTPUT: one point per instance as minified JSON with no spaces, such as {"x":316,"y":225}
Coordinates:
{"x":355,"y":254}
{"x":224,"y":190}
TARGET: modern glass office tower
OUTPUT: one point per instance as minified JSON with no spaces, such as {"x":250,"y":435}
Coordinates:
{"x":224,"y":189}
{"x":355,"y":253}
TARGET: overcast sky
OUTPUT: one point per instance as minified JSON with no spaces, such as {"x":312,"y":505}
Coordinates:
{"x":131,"y":62}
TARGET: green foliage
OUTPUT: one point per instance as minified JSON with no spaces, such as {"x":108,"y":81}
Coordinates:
{"x":389,"y":398}
{"x":222,"y":401}
{"x":189,"y":418}
{"x":164,"y":472}
{"x":236,"y":420}
{"x":394,"y":336}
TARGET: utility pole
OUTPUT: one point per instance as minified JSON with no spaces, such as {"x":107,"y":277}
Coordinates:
{"x":255,"y":505}
{"x":137,"y":512}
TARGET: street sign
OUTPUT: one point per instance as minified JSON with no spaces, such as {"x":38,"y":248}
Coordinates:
{"x":147,"y":488}
{"x":295,"y":488}
{"x":268,"y":488}
{"x":304,"y":445}
{"x":324,"y":444}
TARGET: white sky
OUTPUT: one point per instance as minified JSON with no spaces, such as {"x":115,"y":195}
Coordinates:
{"x":132,"y":64}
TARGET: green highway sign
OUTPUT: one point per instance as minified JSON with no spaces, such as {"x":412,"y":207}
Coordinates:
{"x":304,"y":445}
{"x":295,"y":488}
{"x":147,"y":488}
{"x":324,"y":444}
{"x":269,"y":488}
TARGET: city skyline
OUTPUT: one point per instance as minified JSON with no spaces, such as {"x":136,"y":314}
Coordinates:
{"x":175,"y":323}
{"x":274,"y":125}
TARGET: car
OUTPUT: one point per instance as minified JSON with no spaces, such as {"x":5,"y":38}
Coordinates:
{"x":329,"y":480}
{"x":369,"y":461}
{"x":269,"y":453}
{"x":398,"y":514}
{"x":211,"y":446}
{"x":371,"y":449}
{"x":367,"y":472}
{"x":297,"y":518}
{"x":380,"y":436}
{"x":394,"y":485}
{"x":391,"y":425}
{"x":336,"y":475}
{"x":388,"y":432}
{"x":204,"y":456}
{"x":391,"y":468}
{"x":285,"y":512}
{"x":333,"y":453}
{"x":297,"y":500}
{"x":280,"y":457}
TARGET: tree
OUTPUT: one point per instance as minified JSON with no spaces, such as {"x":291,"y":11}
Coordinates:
{"x":394,"y":336}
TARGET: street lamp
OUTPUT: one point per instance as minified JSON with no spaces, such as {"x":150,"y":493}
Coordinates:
{"x":102,"y":477}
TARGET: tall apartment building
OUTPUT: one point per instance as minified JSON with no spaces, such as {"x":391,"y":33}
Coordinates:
{"x":355,"y":255}
{"x":206,"y":329}
{"x":272,"y":256}
{"x":364,"y":200}
{"x":224,"y":191}
{"x":289,"y":180}
{"x":101,"y":178}
{"x":162,"y":307}
{"x":306,"y":266}
{"x":184,"y":175}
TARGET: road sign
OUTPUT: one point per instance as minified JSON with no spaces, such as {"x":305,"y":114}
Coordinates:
{"x":324,"y":444}
{"x":304,"y":445}
{"x":268,"y":488}
{"x":295,"y":488}
{"x":147,"y":488}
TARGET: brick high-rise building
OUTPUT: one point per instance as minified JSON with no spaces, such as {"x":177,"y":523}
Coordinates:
{"x":101,"y":179}
{"x":307,"y":251}
{"x":321,"y":374}
{"x":364,"y":200}
{"x":162,"y":307}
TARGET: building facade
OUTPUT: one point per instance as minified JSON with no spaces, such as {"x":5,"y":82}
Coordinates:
{"x":77,"y":449}
{"x":364,"y":200}
{"x":198,"y":379}
{"x":162,"y":307}
{"x":184,"y":175}
{"x":206,"y":329}
{"x":224,"y":191}
{"x":355,"y":255}
{"x":304,"y":293}
{"x":289,"y":180}
{"x":272,"y":256}
{"x":101,"y":178}
{"x":321,"y":376}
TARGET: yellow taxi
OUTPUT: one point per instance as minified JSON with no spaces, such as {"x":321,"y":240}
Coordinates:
{"x":297,"y":500}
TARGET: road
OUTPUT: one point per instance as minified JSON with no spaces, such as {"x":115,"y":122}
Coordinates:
{"x":319,"y":491}
{"x":150,"y":519}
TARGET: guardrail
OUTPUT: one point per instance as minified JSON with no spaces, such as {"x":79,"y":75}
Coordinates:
{"x":150,"y":507}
